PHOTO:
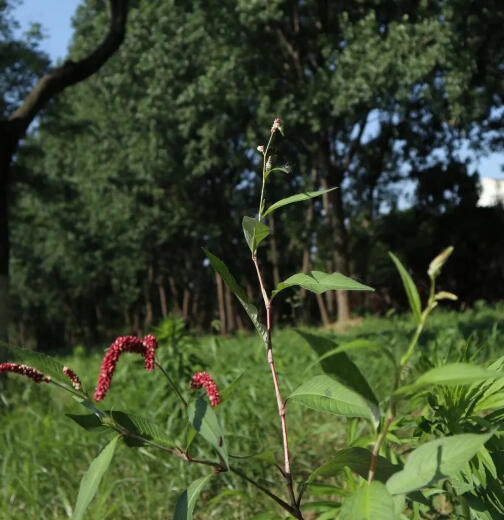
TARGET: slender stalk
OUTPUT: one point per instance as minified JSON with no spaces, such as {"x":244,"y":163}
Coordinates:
{"x":265,"y":155}
{"x":378,"y":445}
{"x":172,"y":384}
{"x":178,"y":452}
{"x":431,"y":303}
{"x":280,"y":404}
{"x":294,"y":512}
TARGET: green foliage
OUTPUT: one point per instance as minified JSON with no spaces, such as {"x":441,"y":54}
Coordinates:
{"x":186,"y":502}
{"x":369,"y":502}
{"x":324,"y":394}
{"x":295,"y":198}
{"x":204,"y":421}
{"x":254,"y":232}
{"x":438,"y":459}
{"x":319,"y":282}
{"x":92,"y":478}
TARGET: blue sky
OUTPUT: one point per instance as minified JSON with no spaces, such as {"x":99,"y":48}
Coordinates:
{"x":55,"y":17}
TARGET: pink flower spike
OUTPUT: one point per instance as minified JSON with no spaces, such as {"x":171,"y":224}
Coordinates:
{"x":25,"y":370}
{"x":204,"y":379}
{"x":122,"y":344}
{"x":277,"y":124}
{"x":150,"y":345}
{"x":74,"y":378}
{"x":260,"y":148}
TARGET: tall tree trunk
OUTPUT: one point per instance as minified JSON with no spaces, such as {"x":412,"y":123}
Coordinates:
{"x":333,"y":177}
{"x":175,"y":294}
{"x":222,"y":307}
{"x":229,"y":309}
{"x":185,"y":303}
{"x":149,"y":308}
{"x":162,"y":300}
{"x":323,"y":311}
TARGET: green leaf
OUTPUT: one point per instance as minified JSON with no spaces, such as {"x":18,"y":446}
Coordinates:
{"x":42,"y":362}
{"x":255,"y":232}
{"x":239,"y":292}
{"x":438,"y":459}
{"x":89,"y":422}
{"x":352,"y":345}
{"x":204,"y":420}
{"x":325,"y":394}
{"x":92,"y":478}
{"x":339,"y":365}
{"x":450,"y":375}
{"x":319,"y":282}
{"x":359,"y":461}
{"x":296,"y":198}
{"x":142,"y":427}
{"x":187,"y":500}
{"x":410,"y":288}
{"x":369,"y":502}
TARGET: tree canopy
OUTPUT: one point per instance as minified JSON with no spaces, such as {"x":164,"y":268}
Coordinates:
{"x":131,"y":172}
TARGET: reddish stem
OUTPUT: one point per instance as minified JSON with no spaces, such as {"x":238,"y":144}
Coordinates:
{"x":280,"y":403}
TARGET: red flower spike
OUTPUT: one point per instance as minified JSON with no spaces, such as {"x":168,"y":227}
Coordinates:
{"x":204,"y":379}
{"x":74,"y":378}
{"x":122,"y":344}
{"x":25,"y":370}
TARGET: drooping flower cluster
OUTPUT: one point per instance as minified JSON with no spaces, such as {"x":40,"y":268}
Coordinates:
{"x":203,"y":379}
{"x":277,"y":125}
{"x":74,"y":378}
{"x":25,"y":370}
{"x":145,"y":347}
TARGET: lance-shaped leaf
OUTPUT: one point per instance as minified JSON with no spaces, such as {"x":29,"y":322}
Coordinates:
{"x":140,"y":427}
{"x":221,"y":268}
{"x":352,"y":345}
{"x":325,"y":394}
{"x":451,"y":375}
{"x":92,"y":478}
{"x":204,"y":421}
{"x":369,"y":502}
{"x":42,"y":362}
{"x":339,"y":365}
{"x":358,"y":460}
{"x":438,"y":459}
{"x":320,"y":282}
{"x":410,"y":288}
{"x":89,"y":422}
{"x":187,"y":500}
{"x":255,"y":232}
{"x":296,"y":198}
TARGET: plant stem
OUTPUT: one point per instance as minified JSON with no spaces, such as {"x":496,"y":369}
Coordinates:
{"x":280,"y":404}
{"x":293,"y":511}
{"x":172,"y":384}
{"x":265,"y":158}
{"x":378,"y":445}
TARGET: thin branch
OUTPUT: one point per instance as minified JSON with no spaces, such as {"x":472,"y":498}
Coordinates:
{"x":172,"y":384}
{"x":72,"y":72}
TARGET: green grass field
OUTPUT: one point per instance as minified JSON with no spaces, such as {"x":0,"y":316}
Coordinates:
{"x":43,"y":454}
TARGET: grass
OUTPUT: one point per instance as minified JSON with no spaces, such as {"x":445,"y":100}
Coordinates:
{"x":43,"y":454}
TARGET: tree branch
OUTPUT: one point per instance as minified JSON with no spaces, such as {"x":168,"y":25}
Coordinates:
{"x":71,"y":72}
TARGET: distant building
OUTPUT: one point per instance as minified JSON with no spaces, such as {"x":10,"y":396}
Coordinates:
{"x":492,"y":192}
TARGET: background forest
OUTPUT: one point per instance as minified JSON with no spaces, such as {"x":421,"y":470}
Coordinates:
{"x":127,"y":175}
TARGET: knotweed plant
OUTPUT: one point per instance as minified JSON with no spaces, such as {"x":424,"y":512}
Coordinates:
{"x":436,"y":436}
